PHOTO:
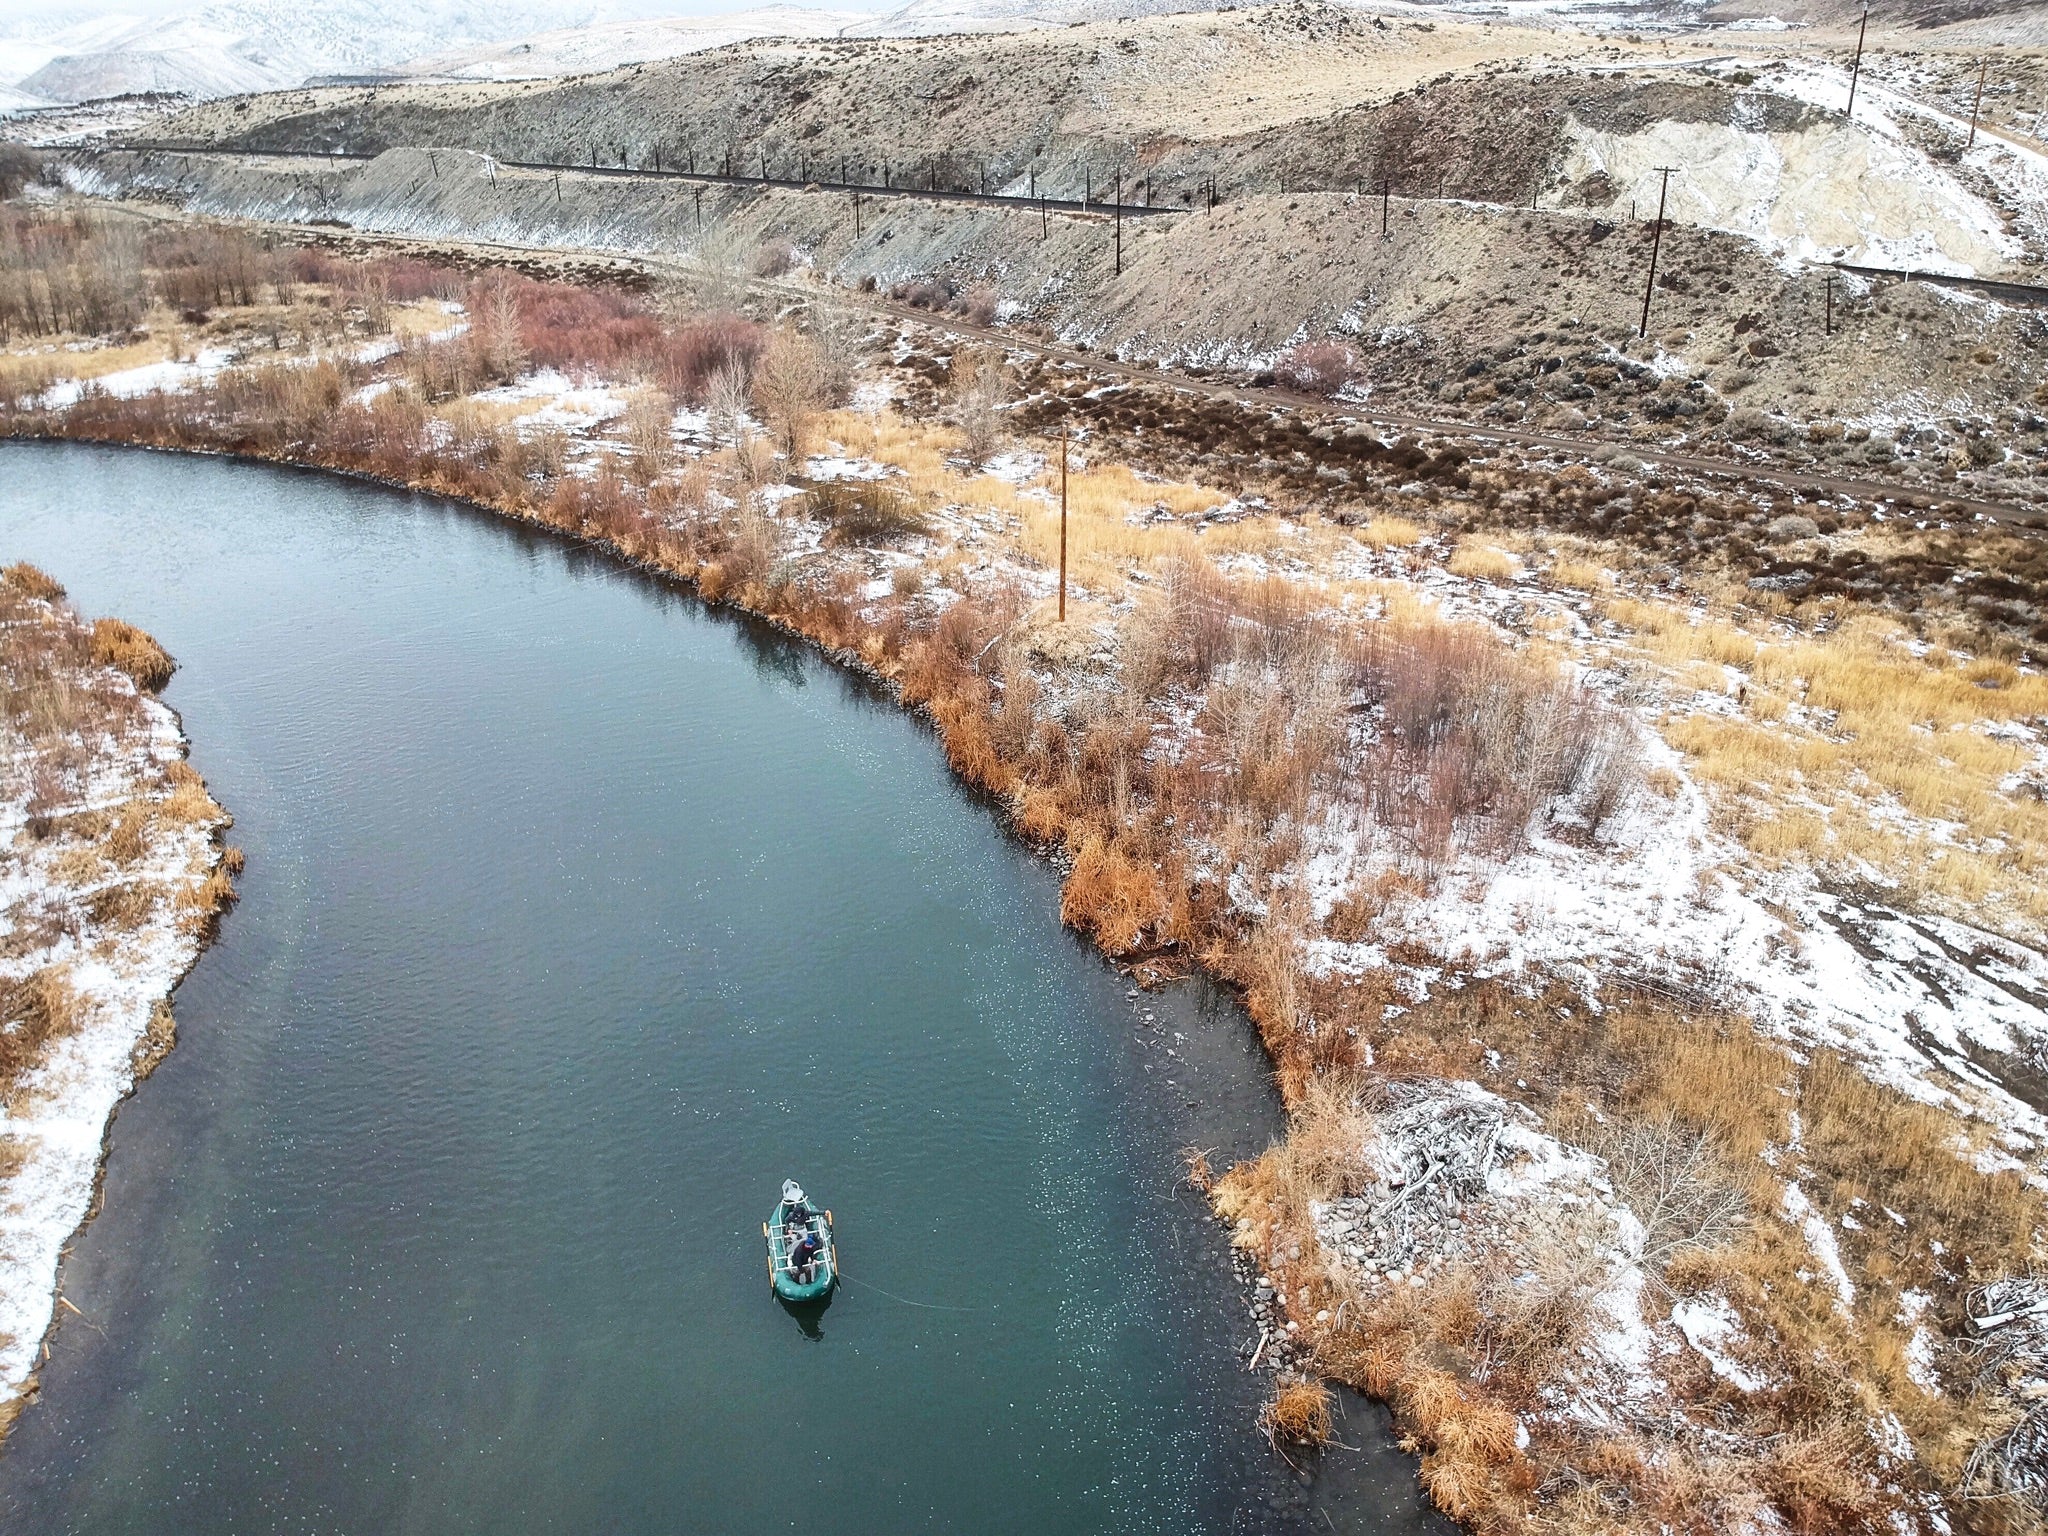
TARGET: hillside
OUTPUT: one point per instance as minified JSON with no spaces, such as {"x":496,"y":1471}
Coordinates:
{"x":1276,"y":99}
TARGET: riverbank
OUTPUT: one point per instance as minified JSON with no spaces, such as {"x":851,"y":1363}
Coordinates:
{"x":114,"y":878}
{"x":1520,"y":860}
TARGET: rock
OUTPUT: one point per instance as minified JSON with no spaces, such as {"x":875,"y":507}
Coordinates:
{"x":1792,"y":526}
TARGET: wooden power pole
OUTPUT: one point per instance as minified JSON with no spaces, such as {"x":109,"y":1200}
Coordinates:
{"x":1856,"y":69}
{"x":1118,"y":219}
{"x":1063,"y":522}
{"x":1656,"y":238}
{"x":1977,"y":105}
{"x":1829,"y":322}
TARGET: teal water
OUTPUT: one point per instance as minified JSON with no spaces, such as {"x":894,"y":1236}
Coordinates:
{"x":577,"y":916}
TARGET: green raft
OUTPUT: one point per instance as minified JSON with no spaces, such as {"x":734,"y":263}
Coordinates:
{"x":782,"y":1234}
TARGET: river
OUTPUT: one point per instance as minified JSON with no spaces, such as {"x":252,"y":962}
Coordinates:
{"x":577,"y":916}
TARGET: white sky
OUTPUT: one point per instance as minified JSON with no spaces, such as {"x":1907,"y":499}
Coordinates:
{"x":15,"y":14}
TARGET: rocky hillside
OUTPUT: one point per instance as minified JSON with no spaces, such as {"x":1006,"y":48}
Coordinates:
{"x":1278,"y":99}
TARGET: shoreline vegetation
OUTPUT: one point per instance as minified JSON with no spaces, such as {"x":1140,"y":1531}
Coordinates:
{"x":113,"y":882}
{"x":1643,"y":956}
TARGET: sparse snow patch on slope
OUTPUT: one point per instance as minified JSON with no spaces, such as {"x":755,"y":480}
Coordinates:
{"x":1829,"y":190}
{"x":1925,"y":1004}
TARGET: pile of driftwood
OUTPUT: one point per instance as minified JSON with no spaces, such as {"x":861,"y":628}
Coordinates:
{"x":2008,"y":1352}
{"x":1433,"y":1153}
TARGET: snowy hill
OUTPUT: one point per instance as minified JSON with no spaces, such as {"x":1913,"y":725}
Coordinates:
{"x":245,"y":45}
{"x":586,"y":50}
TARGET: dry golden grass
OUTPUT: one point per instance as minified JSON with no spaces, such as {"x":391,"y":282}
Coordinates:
{"x":1853,"y":744}
{"x":1389,"y":532}
{"x":125,"y":648}
{"x":1301,"y":1414}
{"x":1802,"y":1451}
{"x":1481,"y":562}
{"x":1581,"y":576}
{"x":30,"y":582}
{"x":34,"y":1011}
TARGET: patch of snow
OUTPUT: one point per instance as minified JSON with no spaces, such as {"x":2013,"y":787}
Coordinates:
{"x":1710,"y":1326}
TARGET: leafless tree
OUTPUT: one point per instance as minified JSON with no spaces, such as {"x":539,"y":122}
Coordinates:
{"x":981,"y":388}
{"x":1678,"y":1185}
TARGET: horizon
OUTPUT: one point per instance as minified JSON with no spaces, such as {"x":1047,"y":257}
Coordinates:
{"x":14,"y":13}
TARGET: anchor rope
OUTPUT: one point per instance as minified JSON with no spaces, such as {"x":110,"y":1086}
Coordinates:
{"x":929,"y":1306}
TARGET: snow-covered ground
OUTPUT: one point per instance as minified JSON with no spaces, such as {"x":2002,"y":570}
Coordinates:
{"x":57,"y":1118}
{"x":1827,"y":187}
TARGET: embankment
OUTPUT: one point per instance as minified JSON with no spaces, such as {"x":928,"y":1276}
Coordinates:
{"x":114,"y":879}
{"x":1449,"y":298}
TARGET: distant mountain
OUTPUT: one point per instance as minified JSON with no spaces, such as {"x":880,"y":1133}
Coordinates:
{"x":589,"y":49}
{"x":248,"y":45}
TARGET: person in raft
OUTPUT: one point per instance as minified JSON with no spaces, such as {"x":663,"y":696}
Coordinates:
{"x":803,"y":1257}
{"x":799,"y":1224}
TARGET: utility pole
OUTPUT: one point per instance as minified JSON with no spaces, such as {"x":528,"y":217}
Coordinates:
{"x":1044,"y":223}
{"x":1829,"y":322}
{"x":1087,"y":185}
{"x":657,"y":159}
{"x":1063,"y":522}
{"x":1856,"y":68}
{"x":1656,"y":238}
{"x":1978,"y":105}
{"x":699,"y":191}
{"x":856,"y":215}
{"x":1034,"y":181}
{"x":1118,"y":218}
{"x":558,"y":189}
{"x":1386,"y":203}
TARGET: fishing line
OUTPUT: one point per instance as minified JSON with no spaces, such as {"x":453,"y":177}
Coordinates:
{"x":929,"y":1306}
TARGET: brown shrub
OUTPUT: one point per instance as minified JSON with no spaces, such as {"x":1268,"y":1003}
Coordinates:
{"x":774,"y":258}
{"x":1120,"y":900}
{"x":978,"y":305}
{"x":685,"y":360}
{"x":864,"y":511}
{"x":1319,"y":367}
{"x":923,"y":293}
{"x":790,"y":385}
{"x":1300,"y":1412}
{"x":125,"y":648}
{"x":26,"y":580}
{"x":981,"y":388}
{"x":126,"y":905}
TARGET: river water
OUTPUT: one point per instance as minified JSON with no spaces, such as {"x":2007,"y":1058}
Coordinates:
{"x":577,"y":916}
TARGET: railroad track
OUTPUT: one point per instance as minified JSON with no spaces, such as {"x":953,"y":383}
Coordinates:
{"x":929,"y":194}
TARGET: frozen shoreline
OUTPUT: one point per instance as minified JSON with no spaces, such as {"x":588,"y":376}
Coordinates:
{"x":121,"y":976}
